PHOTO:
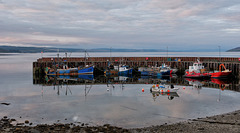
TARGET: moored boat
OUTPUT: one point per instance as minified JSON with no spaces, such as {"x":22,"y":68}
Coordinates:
{"x":146,"y":71}
{"x":221,"y":74}
{"x":70,"y":71}
{"x":164,"y":70}
{"x":197,"y":71}
{"x":123,"y":70}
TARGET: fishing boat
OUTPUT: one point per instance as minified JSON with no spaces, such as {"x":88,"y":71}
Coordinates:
{"x":221,"y":74}
{"x":164,"y":70}
{"x":147,"y":71}
{"x":197,"y":71}
{"x":88,"y":70}
{"x":65,"y":70}
{"x":123,"y":70}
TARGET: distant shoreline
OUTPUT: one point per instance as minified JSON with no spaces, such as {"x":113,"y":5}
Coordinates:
{"x":14,"y":49}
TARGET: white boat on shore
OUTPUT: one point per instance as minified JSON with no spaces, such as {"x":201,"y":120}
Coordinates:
{"x":163,"y":88}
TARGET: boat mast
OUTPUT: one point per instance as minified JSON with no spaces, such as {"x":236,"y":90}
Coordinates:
{"x":58,"y":57}
{"x":110,"y":54}
{"x":85,"y":56}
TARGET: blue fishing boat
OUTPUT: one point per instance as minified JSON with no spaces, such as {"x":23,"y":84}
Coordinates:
{"x":65,"y":70}
{"x":146,"y":71}
{"x":164,"y":70}
{"x":123,"y":70}
{"x":70,"y":71}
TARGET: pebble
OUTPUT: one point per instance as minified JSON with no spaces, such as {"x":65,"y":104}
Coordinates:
{"x":27,"y":121}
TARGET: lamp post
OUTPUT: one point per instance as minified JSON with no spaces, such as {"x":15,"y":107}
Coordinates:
{"x":219,"y":47}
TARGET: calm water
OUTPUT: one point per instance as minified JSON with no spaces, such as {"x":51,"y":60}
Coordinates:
{"x":118,"y":104}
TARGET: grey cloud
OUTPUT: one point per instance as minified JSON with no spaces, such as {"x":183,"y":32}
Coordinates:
{"x":114,"y":23}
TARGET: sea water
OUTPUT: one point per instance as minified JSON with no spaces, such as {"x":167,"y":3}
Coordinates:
{"x":119,"y":104}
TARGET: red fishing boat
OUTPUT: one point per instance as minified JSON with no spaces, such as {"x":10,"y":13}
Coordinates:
{"x":221,"y":74}
{"x":197,"y":71}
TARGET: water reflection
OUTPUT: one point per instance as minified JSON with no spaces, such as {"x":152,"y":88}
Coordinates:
{"x":90,"y":79}
{"x":217,"y":83}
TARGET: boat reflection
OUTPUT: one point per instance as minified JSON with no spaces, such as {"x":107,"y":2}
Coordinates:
{"x":66,"y":78}
{"x":91,"y":79}
{"x":213,"y":83}
{"x":169,"y":95}
{"x":223,"y":83}
{"x":197,"y":84}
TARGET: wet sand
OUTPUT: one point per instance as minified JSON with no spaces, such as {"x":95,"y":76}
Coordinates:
{"x":225,"y":123}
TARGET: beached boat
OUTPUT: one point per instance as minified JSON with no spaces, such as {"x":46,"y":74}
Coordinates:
{"x":163,"y":88}
{"x":197,"y":71}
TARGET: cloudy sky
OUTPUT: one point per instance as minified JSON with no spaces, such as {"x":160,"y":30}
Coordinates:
{"x":151,"y":24}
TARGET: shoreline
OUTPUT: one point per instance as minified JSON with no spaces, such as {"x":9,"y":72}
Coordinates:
{"x":228,"y":122}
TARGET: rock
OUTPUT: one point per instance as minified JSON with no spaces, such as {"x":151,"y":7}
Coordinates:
{"x":20,"y":124}
{"x":200,"y":128}
{"x":6,"y":103}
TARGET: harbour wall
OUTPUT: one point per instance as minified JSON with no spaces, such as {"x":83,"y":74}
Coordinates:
{"x":100,"y":63}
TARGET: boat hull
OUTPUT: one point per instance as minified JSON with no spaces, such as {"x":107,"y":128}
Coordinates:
{"x":73,"y":71}
{"x":146,"y":73}
{"x":221,"y":74}
{"x":165,"y":72}
{"x":127,"y":72}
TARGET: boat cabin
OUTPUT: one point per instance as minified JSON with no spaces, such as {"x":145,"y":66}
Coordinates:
{"x":197,"y":66}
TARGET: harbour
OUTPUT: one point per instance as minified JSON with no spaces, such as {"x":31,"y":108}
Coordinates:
{"x":118,"y":100}
{"x":101,"y":63}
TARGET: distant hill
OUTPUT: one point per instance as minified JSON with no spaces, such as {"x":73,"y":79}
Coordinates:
{"x":234,"y":50}
{"x":14,"y":49}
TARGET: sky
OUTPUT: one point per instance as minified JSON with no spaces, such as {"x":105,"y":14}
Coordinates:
{"x":138,"y":24}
